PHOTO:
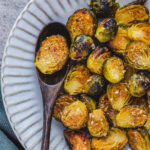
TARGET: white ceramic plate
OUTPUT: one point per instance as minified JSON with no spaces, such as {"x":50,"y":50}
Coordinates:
{"x":20,"y":88}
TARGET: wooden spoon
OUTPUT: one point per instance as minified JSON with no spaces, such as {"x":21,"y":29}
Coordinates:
{"x":50,"y":84}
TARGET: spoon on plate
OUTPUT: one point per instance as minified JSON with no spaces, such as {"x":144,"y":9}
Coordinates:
{"x":51,"y":84}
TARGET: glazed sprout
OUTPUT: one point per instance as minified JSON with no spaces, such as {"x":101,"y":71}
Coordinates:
{"x":113,"y":70}
{"x":139,"y":139}
{"x":138,"y":55}
{"x":118,"y":95}
{"x":109,"y":112}
{"x":52,"y":55}
{"x":106,"y":30}
{"x":131,"y":117}
{"x":139,"y":83}
{"x":81,"y":47}
{"x":97,"y":124}
{"x":61,"y":103}
{"x":140,"y":32}
{"x":75,"y":115}
{"x":131,"y":14}
{"x":78,"y":140}
{"x":116,"y":140}
{"x":76,"y":79}
{"x":120,"y":41}
{"x":103,"y":8}
{"x":82,"y":21}
{"x":97,"y":58}
{"x":89,"y":102}
{"x":94,"y":85}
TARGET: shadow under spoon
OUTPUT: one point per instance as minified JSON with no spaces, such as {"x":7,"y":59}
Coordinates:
{"x":51,"y":84}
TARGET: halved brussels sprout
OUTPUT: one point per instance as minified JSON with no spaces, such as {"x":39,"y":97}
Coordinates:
{"x":89,"y":102}
{"x":113,"y":70}
{"x":138,"y":55}
{"x":61,"y":103}
{"x":78,"y":140}
{"x":106,"y":30}
{"x":109,"y":112}
{"x":131,"y":14}
{"x":120,"y":41}
{"x":118,"y":95}
{"x":82,"y":21}
{"x":97,"y":58}
{"x":75,"y":115}
{"x":52,"y":55}
{"x":81,"y":47}
{"x":131,"y":117}
{"x":103,"y":8}
{"x":116,"y":140}
{"x":97,"y":124}
{"x":139,"y":83}
{"x":147,"y":124}
{"x":94,"y":85}
{"x":140,"y":32}
{"x":139,"y":139}
{"x":76,"y":79}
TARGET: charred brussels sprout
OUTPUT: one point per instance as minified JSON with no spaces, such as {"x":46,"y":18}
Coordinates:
{"x":109,"y":112}
{"x":97,"y":58}
{"x":78,"y":140}
{"x":139,"y":83}
{"x":52,"y":55}
{"x":97,"y":124}
{"x":113,"y":70}
{"x":103,"y":8}
{"x":139,"y":139}
{"x":61,"y":103}
{"x":130,"y":14}
{"x":138,"y":55}
{"x":94,"y":85}
{"x":106,"y":30}
{"x":82,"y":22}
{"x":118,"y":95}
{"x":140,"y":32}
{"x":89,"y":102}
{"x":120,"y":41}
{"x":131,"y":117}
{"x":75,"y":115}
{"x":76,"y":79}
{"x":81,"y":47}
{"x":116,"y":140}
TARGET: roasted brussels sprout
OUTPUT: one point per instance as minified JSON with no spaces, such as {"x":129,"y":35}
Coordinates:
{"x":120,"y":41}
{"x":116,"y":140}
{"x":61,"y":103}
{"x":138,"y":55}
{"x":52,"y":55}
{"x":139,"y":83}
{"x":140,"y":32}
{"x":75,"y":115}
{"x":106,"y":30}
{"x":82,"y":22}
{"x":76,"y":79}
{"x":109,"y":112}
{"x":78,"y":140}
{"x":139,"y":139}
{"x":103,"y":8}
{"x":97,"y":124}
{"x":113,"y":70}
{"x":94,"y":85}
{"x":89,"y":102}
{"x":97,"y":58}
{"x":131,"y":117}
{"x":118,"y":95}
{"x":131,"y":14}
{"x":81,"y":47}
